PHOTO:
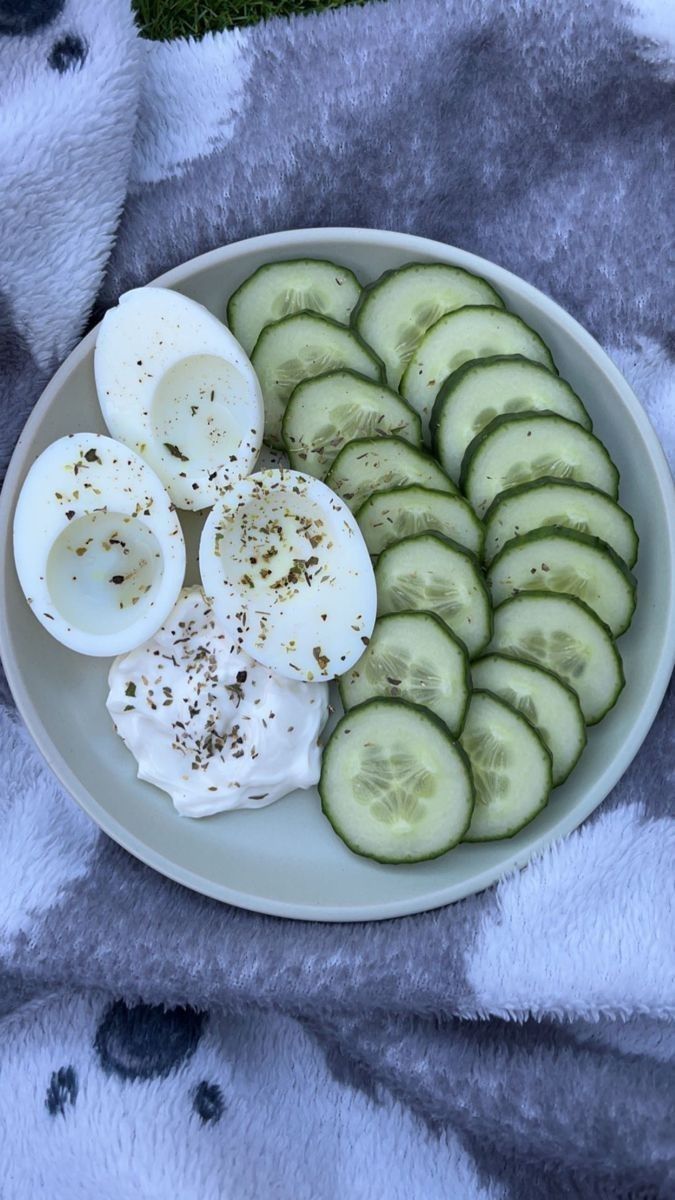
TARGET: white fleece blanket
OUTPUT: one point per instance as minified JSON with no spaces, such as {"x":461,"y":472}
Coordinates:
{"x":156,"y":1044}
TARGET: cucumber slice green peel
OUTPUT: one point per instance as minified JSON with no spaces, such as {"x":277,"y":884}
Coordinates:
{"x":568,"y":503}
{"x":394,"y":312}
{"x":473,"y":332}
{"x":280,"y":289}
{"x":326,"y":412}
{"x":561,"y":560}
{"x":548,"y":703}
{"x":511,"y":768}
{"x":369,"y":465}
{"x":413,"y":656}
{"x":485,"y":388}
{"x":435,"y":574}
{"x":299,"y":347}
{"x":395,"y":786}
{"x":565,"y":635}
{"x":519,"y":447}
{"x":390,"y":515}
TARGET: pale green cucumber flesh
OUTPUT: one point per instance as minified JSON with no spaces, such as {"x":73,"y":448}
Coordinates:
{"x":520,"y":447}
{"x":388,"y":516}
{"x":486,"y":388}
{"x":395,"y":311}
{"x":433,"y":573}
{"x":468,"y":333}
{"x":563,"y":634}
{"x":560,"y":560}
{"x":300,"y":347}
{"x":563,"y":502}
{"x":326,"y":412}
{"x":279,"y":289}
{"x":412,"y":656}
{"x":369,"y":465}
{"x":511,"y":768}
{"x":394,"y":785}
{"x":548,"y":703}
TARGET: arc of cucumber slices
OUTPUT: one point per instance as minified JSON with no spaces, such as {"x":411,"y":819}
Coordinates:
{"x":537,"y":497}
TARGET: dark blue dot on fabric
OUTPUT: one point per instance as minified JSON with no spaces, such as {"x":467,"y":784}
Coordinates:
{"x":208,"y":1103}
{"x":62,"y":1091}
{"x":68,"y":53}
{"x":19,"y":17}
{"x":147,"y":1040}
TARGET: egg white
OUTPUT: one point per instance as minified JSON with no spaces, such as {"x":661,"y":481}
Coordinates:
{"x":98,"y":547}
{"x":286,"y":568}
{"x":175,"y":385}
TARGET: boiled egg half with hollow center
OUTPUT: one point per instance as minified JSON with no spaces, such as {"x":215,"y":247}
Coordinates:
{"x":176,"y":386}
{"x":98,"y":547}
{"x":288,"y":573}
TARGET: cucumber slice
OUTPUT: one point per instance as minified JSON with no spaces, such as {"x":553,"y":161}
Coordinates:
{"x":279,"y":289}
{"x":393,"y":313}
{"x":487,"y":387}
{"x":300,"y":347}
{"x":577,"y":506}
{"x":412,"y":656}
{"x":548,"y":703}
{"x":471,"y":332}
{"x":377,"y":464}
{"x":563,"y":634}
{"x":511,"y":768}
{"x":433,"y":573}
{"x":325,"y":413}
{"x":386,"y":517}
{"x":394,"y":785}
{"x":519,"y":447}
{"x":560,"y":560}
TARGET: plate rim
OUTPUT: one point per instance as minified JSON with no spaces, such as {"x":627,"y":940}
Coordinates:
{"x":451,"y":892}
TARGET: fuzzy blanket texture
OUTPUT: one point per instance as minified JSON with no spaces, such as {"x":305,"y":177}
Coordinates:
{"x":155,"y":1044}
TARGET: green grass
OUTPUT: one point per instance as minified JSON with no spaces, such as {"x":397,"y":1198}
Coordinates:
{"x":163,"y":19}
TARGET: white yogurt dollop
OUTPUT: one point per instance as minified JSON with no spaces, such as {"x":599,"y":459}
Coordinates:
{"x":207,"y":723}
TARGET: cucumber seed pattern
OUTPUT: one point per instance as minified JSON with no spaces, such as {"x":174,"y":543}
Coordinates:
{"x":526,"y":705}
{"x":411,"y":333}
{"x":393,"y":786}
{"x":558,"y":579}
{"x":293,"y":300}
{"x":489,"y":757}
{"x":483,"y":418}
{"x":352,"y":421}
{"x":544,"y":464}
{"x":315,"y":361}
{"x":397,"y":673}
{"x":559,"y":650}
{"x":428,"y":590}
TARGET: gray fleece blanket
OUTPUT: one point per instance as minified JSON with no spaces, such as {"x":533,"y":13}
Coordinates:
{"x":153,"y":1043}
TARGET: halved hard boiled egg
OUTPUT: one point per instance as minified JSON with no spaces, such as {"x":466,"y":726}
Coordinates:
{"x":98,"y":547}
{"x":176,"y":386}
{"x":286,"y":568}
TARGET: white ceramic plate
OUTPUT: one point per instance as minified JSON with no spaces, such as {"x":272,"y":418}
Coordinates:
{"x":285,"y":859}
